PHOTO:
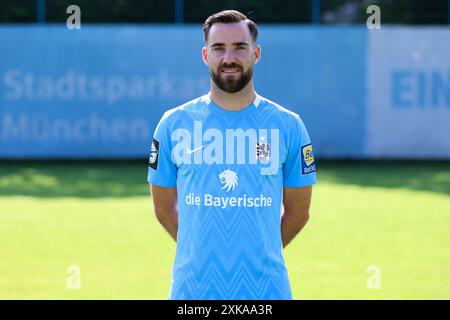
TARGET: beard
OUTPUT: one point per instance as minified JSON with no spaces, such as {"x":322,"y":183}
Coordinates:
{"x":231,"y":84}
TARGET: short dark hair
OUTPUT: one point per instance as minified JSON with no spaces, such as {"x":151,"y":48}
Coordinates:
{"x":230,"y":16}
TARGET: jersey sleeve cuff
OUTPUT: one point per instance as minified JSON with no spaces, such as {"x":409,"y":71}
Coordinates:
{"x":161,"y":182}
{"x":303,"y":182}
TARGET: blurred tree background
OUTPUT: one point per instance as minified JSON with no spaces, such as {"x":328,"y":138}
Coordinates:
{"x":195,"y":11}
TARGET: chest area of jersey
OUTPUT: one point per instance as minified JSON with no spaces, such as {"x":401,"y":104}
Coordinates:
{"x":200,"y":145}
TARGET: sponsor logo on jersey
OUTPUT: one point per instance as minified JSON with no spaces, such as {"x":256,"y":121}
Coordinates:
{"x":229,"y":179}
{"x":308,"y":165}
{"x":210,"y":200}
{"x":229,"y":146}
{"x":154,"y":153}
{"x":190,"y":151}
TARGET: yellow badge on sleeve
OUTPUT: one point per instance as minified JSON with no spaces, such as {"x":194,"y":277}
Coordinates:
{"x":308,"y":165}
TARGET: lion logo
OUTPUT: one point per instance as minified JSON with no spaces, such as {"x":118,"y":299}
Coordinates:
{"x":229,"y":179}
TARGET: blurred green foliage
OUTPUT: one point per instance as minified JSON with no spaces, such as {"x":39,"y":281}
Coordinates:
{"x":196,"y":11}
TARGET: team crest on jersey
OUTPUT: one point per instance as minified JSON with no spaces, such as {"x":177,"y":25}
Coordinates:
{"x":229,"y":179}
{"x":154,"y":152}
{"x":263,"y":151}
{"x":308,"y":165}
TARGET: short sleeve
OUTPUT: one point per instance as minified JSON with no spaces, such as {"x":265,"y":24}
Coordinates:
{"x":299,"y":168}
{"x":161,"y":169}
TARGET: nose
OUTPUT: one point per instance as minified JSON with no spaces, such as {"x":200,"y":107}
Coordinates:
{"x":228,"y":56}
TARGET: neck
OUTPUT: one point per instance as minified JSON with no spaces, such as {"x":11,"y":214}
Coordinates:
{"x":233,"y":101}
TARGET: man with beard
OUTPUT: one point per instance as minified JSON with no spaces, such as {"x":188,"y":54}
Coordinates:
{"x":254,"y":155}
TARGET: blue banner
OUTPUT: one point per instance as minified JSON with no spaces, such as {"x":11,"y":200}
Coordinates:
{"x":99,"y":92}
{"x":94,"y":92}
{"x":408,"y":101}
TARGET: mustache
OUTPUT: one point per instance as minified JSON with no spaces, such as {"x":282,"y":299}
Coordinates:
{"x":230,"y":65}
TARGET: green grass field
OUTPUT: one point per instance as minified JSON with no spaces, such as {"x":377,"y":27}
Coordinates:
{"x":98,"y":216}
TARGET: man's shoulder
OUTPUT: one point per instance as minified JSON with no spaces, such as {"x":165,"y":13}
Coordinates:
{"x":276,"y":110}
{"x":191,"y":107}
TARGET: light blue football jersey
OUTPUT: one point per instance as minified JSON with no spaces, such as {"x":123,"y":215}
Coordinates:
{"x":229,"y":168}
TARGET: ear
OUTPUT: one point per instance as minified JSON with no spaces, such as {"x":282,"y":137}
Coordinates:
{"x":205,"y":55}
{"x":257,"y":54}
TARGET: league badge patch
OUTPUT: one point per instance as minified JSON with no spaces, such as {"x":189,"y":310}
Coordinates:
{"x":154,"y":152}
{"x":308,"y":165}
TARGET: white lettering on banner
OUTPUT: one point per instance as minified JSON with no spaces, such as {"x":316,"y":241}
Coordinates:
{"x":208,"y":148}
{"x":21,"y":85}
{"x":408,"y":104}
{"x":420,"y":88}
{"x":38,"y":127}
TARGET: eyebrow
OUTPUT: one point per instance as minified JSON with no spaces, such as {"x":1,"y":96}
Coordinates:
{"x":221,"y":44}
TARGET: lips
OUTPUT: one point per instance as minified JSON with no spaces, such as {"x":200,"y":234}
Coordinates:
{"x":230,"y":70}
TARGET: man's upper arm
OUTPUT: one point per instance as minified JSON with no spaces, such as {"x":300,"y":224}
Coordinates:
{"x":297,"y":201}
{"x":299,"y":169}
{"x":161,"y":169}
{"x":166,"y":211}
{"x":164,"y":199}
